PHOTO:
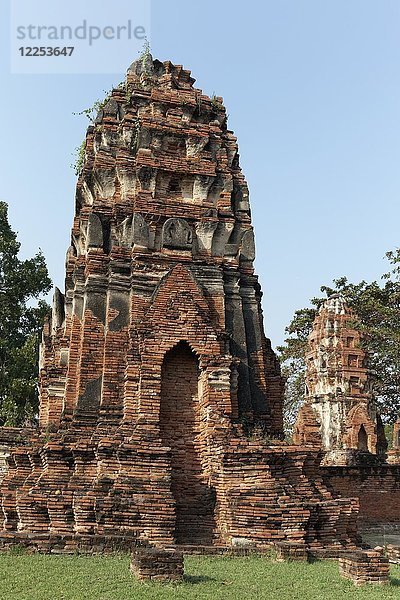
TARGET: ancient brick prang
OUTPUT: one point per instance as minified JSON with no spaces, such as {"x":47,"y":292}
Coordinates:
{"x":339,"y":414}
{"x":162,"y":251}
{"x":156,"y":376}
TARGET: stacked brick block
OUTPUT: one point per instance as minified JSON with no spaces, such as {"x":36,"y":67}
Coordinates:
{"x":157,"y":565}
{"x":155,"y":354}
{"x":364,"y":567}
{"x":290,"y":551}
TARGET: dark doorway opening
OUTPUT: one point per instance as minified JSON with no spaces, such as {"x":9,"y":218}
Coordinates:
{"x":362,"y":439}
{"x":180,"y":426}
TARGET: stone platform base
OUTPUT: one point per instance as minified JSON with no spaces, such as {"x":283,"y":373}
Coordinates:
{"x":48,"y":543}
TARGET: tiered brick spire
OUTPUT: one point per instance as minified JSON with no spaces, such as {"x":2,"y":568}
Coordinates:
{"x":339,"y":413}
{"x":161,"y":186}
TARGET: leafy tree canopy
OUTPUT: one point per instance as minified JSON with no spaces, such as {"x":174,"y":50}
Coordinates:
{"x":22,"y":283}
{"x":377,"y":306}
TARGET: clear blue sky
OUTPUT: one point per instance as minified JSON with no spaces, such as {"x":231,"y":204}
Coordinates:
{"x":313,"y":92}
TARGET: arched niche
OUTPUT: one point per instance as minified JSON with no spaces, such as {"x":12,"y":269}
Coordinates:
{"x":177,"y":233}
{"x":362,"y":439}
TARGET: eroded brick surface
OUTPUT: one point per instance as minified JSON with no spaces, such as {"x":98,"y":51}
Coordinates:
{"x":393,"y":553}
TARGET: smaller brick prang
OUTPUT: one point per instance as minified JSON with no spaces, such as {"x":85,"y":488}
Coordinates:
{"x":339,"y":414}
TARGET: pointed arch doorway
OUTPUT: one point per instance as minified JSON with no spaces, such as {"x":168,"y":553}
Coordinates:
{"x":180,"y":427}
{"x":362,"y":440}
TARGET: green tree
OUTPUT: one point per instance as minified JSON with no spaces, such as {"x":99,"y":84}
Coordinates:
{"x":377,"y":306}
{"x":22,"y":283}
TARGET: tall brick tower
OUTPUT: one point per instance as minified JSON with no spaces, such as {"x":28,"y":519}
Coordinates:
{"x":161,"y":398}
{"x":160,"y":329}
{"x":339,"y":413}
{"x":161,"y":260}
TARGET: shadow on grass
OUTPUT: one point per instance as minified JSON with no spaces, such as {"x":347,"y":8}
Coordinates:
{"x":197,"y":579}
{"x":17,"y":550}
{"x":395,"y":582}
{"x":312,"y":559}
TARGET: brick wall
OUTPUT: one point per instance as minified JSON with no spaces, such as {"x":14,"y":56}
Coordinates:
{"x":377,"y":489}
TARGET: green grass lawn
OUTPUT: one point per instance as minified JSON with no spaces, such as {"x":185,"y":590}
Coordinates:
{"x":42,"y":577}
